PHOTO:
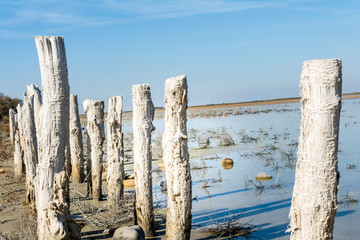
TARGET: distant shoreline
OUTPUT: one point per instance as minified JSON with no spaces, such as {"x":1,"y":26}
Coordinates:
{"x":160,"y":110}
{"x":266,"y":102}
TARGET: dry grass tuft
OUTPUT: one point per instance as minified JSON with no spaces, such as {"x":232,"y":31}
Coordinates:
{"x":233,"y":227}
{"x":101,"y":215}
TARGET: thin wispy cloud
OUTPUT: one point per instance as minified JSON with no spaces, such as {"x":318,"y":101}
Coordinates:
{"x":37,"y":15}
{"x":174,"y":9}
{"x":109,"y":11}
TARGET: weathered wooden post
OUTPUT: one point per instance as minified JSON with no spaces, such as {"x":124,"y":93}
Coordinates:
{"x":314,"y":200}
{"x":31,"y":124}
{"x":143,"y":115}
{"x":95,"y":127}
{"x":76,"y":145}
{"x":52,"y":210}
{"x":19,"y":144}
{"x":33,"y":90}
{"x":176,"y":158}
{"x":12,"y":115}
{"x":30,"y":151}
{"x":115,"y":153}
{"x":88,"y":177}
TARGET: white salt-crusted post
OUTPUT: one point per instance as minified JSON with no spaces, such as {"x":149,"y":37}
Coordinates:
{"x":115,"y":153}
{"x":143,"y":115}
{"x":19,"y":144}
{"x":76,"y":145}
{"x":30,"y":151}
{"x":12,"y":125}
{"x":314,"y":201}
{"x":176,"y":158}
{"x":95,"y":127}
{"x":33,"y":90}
{"x":88,"y":177}
{"x":53,"y":137}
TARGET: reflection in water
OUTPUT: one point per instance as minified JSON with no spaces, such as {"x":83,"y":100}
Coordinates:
{"x":263,"y":142}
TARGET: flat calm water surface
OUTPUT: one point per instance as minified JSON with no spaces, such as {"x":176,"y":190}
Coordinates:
{"x":262,"y":139}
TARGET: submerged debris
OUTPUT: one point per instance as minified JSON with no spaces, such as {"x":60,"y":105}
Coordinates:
{"x":347,"y":200}
{"x":263,"y":177}
{"x":233,"y":227}
{"x":351,"y":166}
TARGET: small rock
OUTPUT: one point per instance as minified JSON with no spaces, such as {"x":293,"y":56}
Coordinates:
{"x":3,"y":170}
{"x":163,"y":186}
{"x":129,"y":233}
{"x":161,"y":166}
{"x":227,"y":163}
{"x":263,"y":177}
{"x":129,"y":182}
{"x":106,"y":231}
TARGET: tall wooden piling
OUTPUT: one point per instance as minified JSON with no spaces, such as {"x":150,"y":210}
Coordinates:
{"x":88,"y":177}
{"x":51,"y":211}
{"x":76,"y":144}
{"x":176,"y":158}
{"x":95,"y":128}
{"x":34,"y":91}
{"x":19,"y":143}
{"x":143,"y":115}
{"x":115,"y":153}
{"x":12,"y":126}
{"x":314,"y":200}
{"x":30,"y":151}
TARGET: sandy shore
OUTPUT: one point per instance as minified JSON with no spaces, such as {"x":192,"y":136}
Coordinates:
{"x":13,"y":209}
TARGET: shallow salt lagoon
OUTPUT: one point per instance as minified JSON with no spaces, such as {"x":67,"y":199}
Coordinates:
{"x":265,"y":140}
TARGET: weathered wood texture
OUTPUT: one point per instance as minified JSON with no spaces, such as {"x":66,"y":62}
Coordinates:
{"x":176,"y":158}
{"x":33,"y":90}
{"x":115,"y":153}
{"x":19,"y":144}
{"x":30,"y":151}
{"x":88,"y":177}
{"x":59,"y":224}
{"x":314,"y":201}
{"x":95,"y":127}
{"x":76,"y":144}
{"x":54,"y":134}
{"x":143,"y":115}
{"x":12,"y":126}
{"x":30,"y":124}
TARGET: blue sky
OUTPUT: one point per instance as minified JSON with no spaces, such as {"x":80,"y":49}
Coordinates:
{"x":230,"y":50}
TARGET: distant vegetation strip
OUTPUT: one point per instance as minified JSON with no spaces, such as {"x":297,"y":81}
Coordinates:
{"x":128,"y":114}
{"x":267,"y":102}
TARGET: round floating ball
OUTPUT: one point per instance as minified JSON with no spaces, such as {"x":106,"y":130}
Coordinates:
{"x":227,"y":163}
